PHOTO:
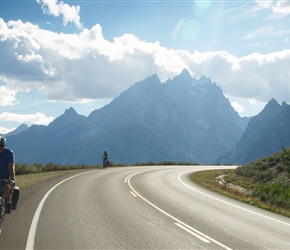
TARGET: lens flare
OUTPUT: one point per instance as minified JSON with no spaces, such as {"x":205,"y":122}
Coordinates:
{"x":201,"y":7}
{"x":191,"y":29}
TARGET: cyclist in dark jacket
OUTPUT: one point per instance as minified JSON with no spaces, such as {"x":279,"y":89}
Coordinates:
{"x":105,"y":157}
{"x":7,"y":171}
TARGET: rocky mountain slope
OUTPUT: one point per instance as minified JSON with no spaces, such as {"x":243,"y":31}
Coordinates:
{"x":182,"y":120}
{"x":265,"y":134}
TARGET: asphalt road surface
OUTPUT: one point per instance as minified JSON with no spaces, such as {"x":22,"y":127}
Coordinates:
{"x":138,"y":208}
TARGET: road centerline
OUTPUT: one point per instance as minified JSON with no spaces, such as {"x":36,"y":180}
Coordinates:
{"x":192,"y":233}
{"x":179,"y":222}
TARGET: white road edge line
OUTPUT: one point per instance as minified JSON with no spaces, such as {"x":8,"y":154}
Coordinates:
{"x":193,"y":233}
{"x":228,"y":203}
{"x":133,"y":193}
{"x":169,"y":215}
{"x":33,"y":227}
{"x":126,"y":179}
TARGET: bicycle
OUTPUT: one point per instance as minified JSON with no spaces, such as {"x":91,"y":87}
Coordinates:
{"x":106,"y":163}
{"x":15,"y":196}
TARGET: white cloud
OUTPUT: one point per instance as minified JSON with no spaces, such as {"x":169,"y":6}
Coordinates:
{"x":282,"y":7}
{"x":262,"y":31}
{"x":239,"y":108}
{"x":37,"y":118}
{"x":4,"y":131}
{"x":76,"y":67}
{"x":266,"y":32}
{"x":258,"y":76}
{"x":55,"y":8}
{"x":264,"y":4}
{"x":278,"y":7}
{"x":7,"y":97}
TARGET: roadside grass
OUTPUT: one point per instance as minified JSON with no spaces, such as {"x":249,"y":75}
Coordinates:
{"x":27,"y":180}
{"x":209,"y":180}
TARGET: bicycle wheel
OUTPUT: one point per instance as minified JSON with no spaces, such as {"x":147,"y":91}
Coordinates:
{"x":2,"y":212}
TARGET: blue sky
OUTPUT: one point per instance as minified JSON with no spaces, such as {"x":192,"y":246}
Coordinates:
{"x":82,"y":54}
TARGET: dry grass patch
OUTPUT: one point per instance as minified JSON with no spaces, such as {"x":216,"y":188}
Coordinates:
{"x":28,"y":180}
{"x":209,"y":179}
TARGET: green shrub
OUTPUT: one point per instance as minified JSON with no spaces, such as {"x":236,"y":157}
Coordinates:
{"x":21,"y":169}
{"x":276,"y":193}
{"x":286,"y":159}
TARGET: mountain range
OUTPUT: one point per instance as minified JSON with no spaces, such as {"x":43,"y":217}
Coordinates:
{"x":182,"y":120}
{"x":265,"y":134}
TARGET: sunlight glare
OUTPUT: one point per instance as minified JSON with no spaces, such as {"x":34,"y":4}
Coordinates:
{"x":201,"y":7}
{"x":191,"y":29}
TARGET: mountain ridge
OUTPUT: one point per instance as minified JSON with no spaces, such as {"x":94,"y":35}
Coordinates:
{"x":265,"y":134}
{"x":182,"y":120}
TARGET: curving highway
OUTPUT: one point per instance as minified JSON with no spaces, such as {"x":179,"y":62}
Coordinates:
{"x":138,"y":208}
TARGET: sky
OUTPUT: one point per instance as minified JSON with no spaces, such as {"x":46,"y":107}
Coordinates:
{"x":83,"y":54}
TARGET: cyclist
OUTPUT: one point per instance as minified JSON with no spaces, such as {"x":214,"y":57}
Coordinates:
{"x":105,"y":158}
{"x":7,"y":171}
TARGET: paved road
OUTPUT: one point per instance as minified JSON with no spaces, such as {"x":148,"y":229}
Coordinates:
{"x":138,"y":208}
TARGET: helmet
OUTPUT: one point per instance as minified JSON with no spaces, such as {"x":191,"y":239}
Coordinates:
{"x":2,"y":141}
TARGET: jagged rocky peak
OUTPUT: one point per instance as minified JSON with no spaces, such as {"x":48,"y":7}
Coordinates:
{"x":152,"y":80}
{"x":205,"y":84}
{"x":22,"y":127}
{"x":271,"y":108}
{"x":273,"y":103}
{"x":182,"y":81}
{"x":284,"y":104}
{"x":185,"y":75}
{"x":149,"y":83}
{"x":204,"y":81}
{"x":18,"y":130}
{"x":145,"y":86}
{"x":70,"y":111}
{"x":70,"y":115}
{"x":265,"y":134}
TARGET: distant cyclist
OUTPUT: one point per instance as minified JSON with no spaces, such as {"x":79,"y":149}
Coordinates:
{"x":105,"y":158}
{"x":7,"y":171}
